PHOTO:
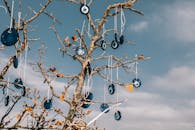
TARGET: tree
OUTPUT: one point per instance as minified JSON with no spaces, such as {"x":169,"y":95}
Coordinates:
{"x":81,"y":98}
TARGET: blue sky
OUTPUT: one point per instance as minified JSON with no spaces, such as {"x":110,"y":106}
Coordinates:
{"x":165,"y":32}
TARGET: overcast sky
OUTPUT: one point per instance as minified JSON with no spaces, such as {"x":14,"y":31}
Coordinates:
{"x":166,"y":100}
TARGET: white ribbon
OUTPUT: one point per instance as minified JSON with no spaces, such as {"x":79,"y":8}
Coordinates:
{"x":12,"y":12}
{"x":123,"y":21}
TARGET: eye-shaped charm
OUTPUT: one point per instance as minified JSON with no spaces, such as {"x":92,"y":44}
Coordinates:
{"x":15,"y":62}
{"x":6,"y":101}
{"x":9,"y":37}
{"x":19,"y":82}
{"x":84,"y":9}
{"x":114,"y":44}
{"x":80,"y":51}
{"x":23,"y":91}
{"x":103,"y":107}
{"x":88,"y":96}
{"x":137,"y":82}
{"x":47,"y":104}
{"x":111,"y":89}
{"x":117,"y":115}
{"x":122,"y":39}
{"x":103,"y":45}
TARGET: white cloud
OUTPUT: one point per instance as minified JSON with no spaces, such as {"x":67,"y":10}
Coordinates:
{"x":156,"y":110}
{"x":139,"y":27}
{"x":178,"y":21}
{"x":178,"y":79}
{"x":148,"y":111}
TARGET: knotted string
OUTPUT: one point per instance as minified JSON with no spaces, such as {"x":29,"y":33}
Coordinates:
{"x":111,"y":69}
{"x":48,"y":89}
{"x":115,"y":20}
{"x":117,"y":76}
{"x":89,"y":83}
{"x":12,"y":12}
{"x":19,"y":18}
{"x":82,"y":31}
{"x":136,"y":63}
{"x":85,"y":3}
{"x":123,"y":21}
{"x":89,"y":29}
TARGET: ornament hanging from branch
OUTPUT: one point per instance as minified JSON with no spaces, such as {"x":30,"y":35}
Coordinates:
{"x":84,"y":8}
{"x":15,"y":62}
{"x":10,"y":36}
{"x":80,"y":51}
{"x":136,"y":81}
{"x":103,"y":42}
{"x":87,"y":99}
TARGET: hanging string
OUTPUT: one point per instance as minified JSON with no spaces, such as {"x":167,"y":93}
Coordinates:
{"x":19,"y":18}
{"x":115,"y":20}
{"x":85,"y":3}
{"x":109,"y":72}
{"x":82,"y":31}
{"x":48,"y":89}
{"x":12,"y":12}
{"x":123,"y":21}
{"x":105,"y":71}
{"x":117,"y":71}
{"x":89,"y":83}
{"x":89,"y":29}
{"x":136,"y":67}
{"x":111,"y":69}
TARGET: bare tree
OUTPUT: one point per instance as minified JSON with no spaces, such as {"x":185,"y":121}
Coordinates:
{"x":81,"y":99}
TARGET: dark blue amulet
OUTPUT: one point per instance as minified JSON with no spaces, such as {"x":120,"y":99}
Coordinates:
{"x":6,"y":101}
{"x":103,"y":107}
{"x":47,"y":104}
{"x":103,"y":44}
{"x":15,"y":62}
{"x":84,"y":9}
{"x":137,"y":82}
{"x":111,"y":89}
{"x":114,"y":44}
{"x":117,"y":115}
{"x":88,"y":96}
{"x":9,"y":37}
{"x":122,"y":39}
{"x":18,"y":83}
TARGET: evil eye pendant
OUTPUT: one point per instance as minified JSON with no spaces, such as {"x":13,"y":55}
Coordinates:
{"x":103,"y":45}
{"x":9,"y":37}
{"x":136,"y":82}
{"x":19,"y":82}
{"x":6,"y":101}
{"x":80,"y":51}
{"x":47,"y":104}
{"x":88,"y":96}
{"x":23,"y":91}
{"x":114,"y":44}
{"x":121,"y":40}
{"x":111,"y":89}
{"x":15,"y":62}
{"x":84,"y":9}
{"x":117,"y":115}
{"x":103,"y":107}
